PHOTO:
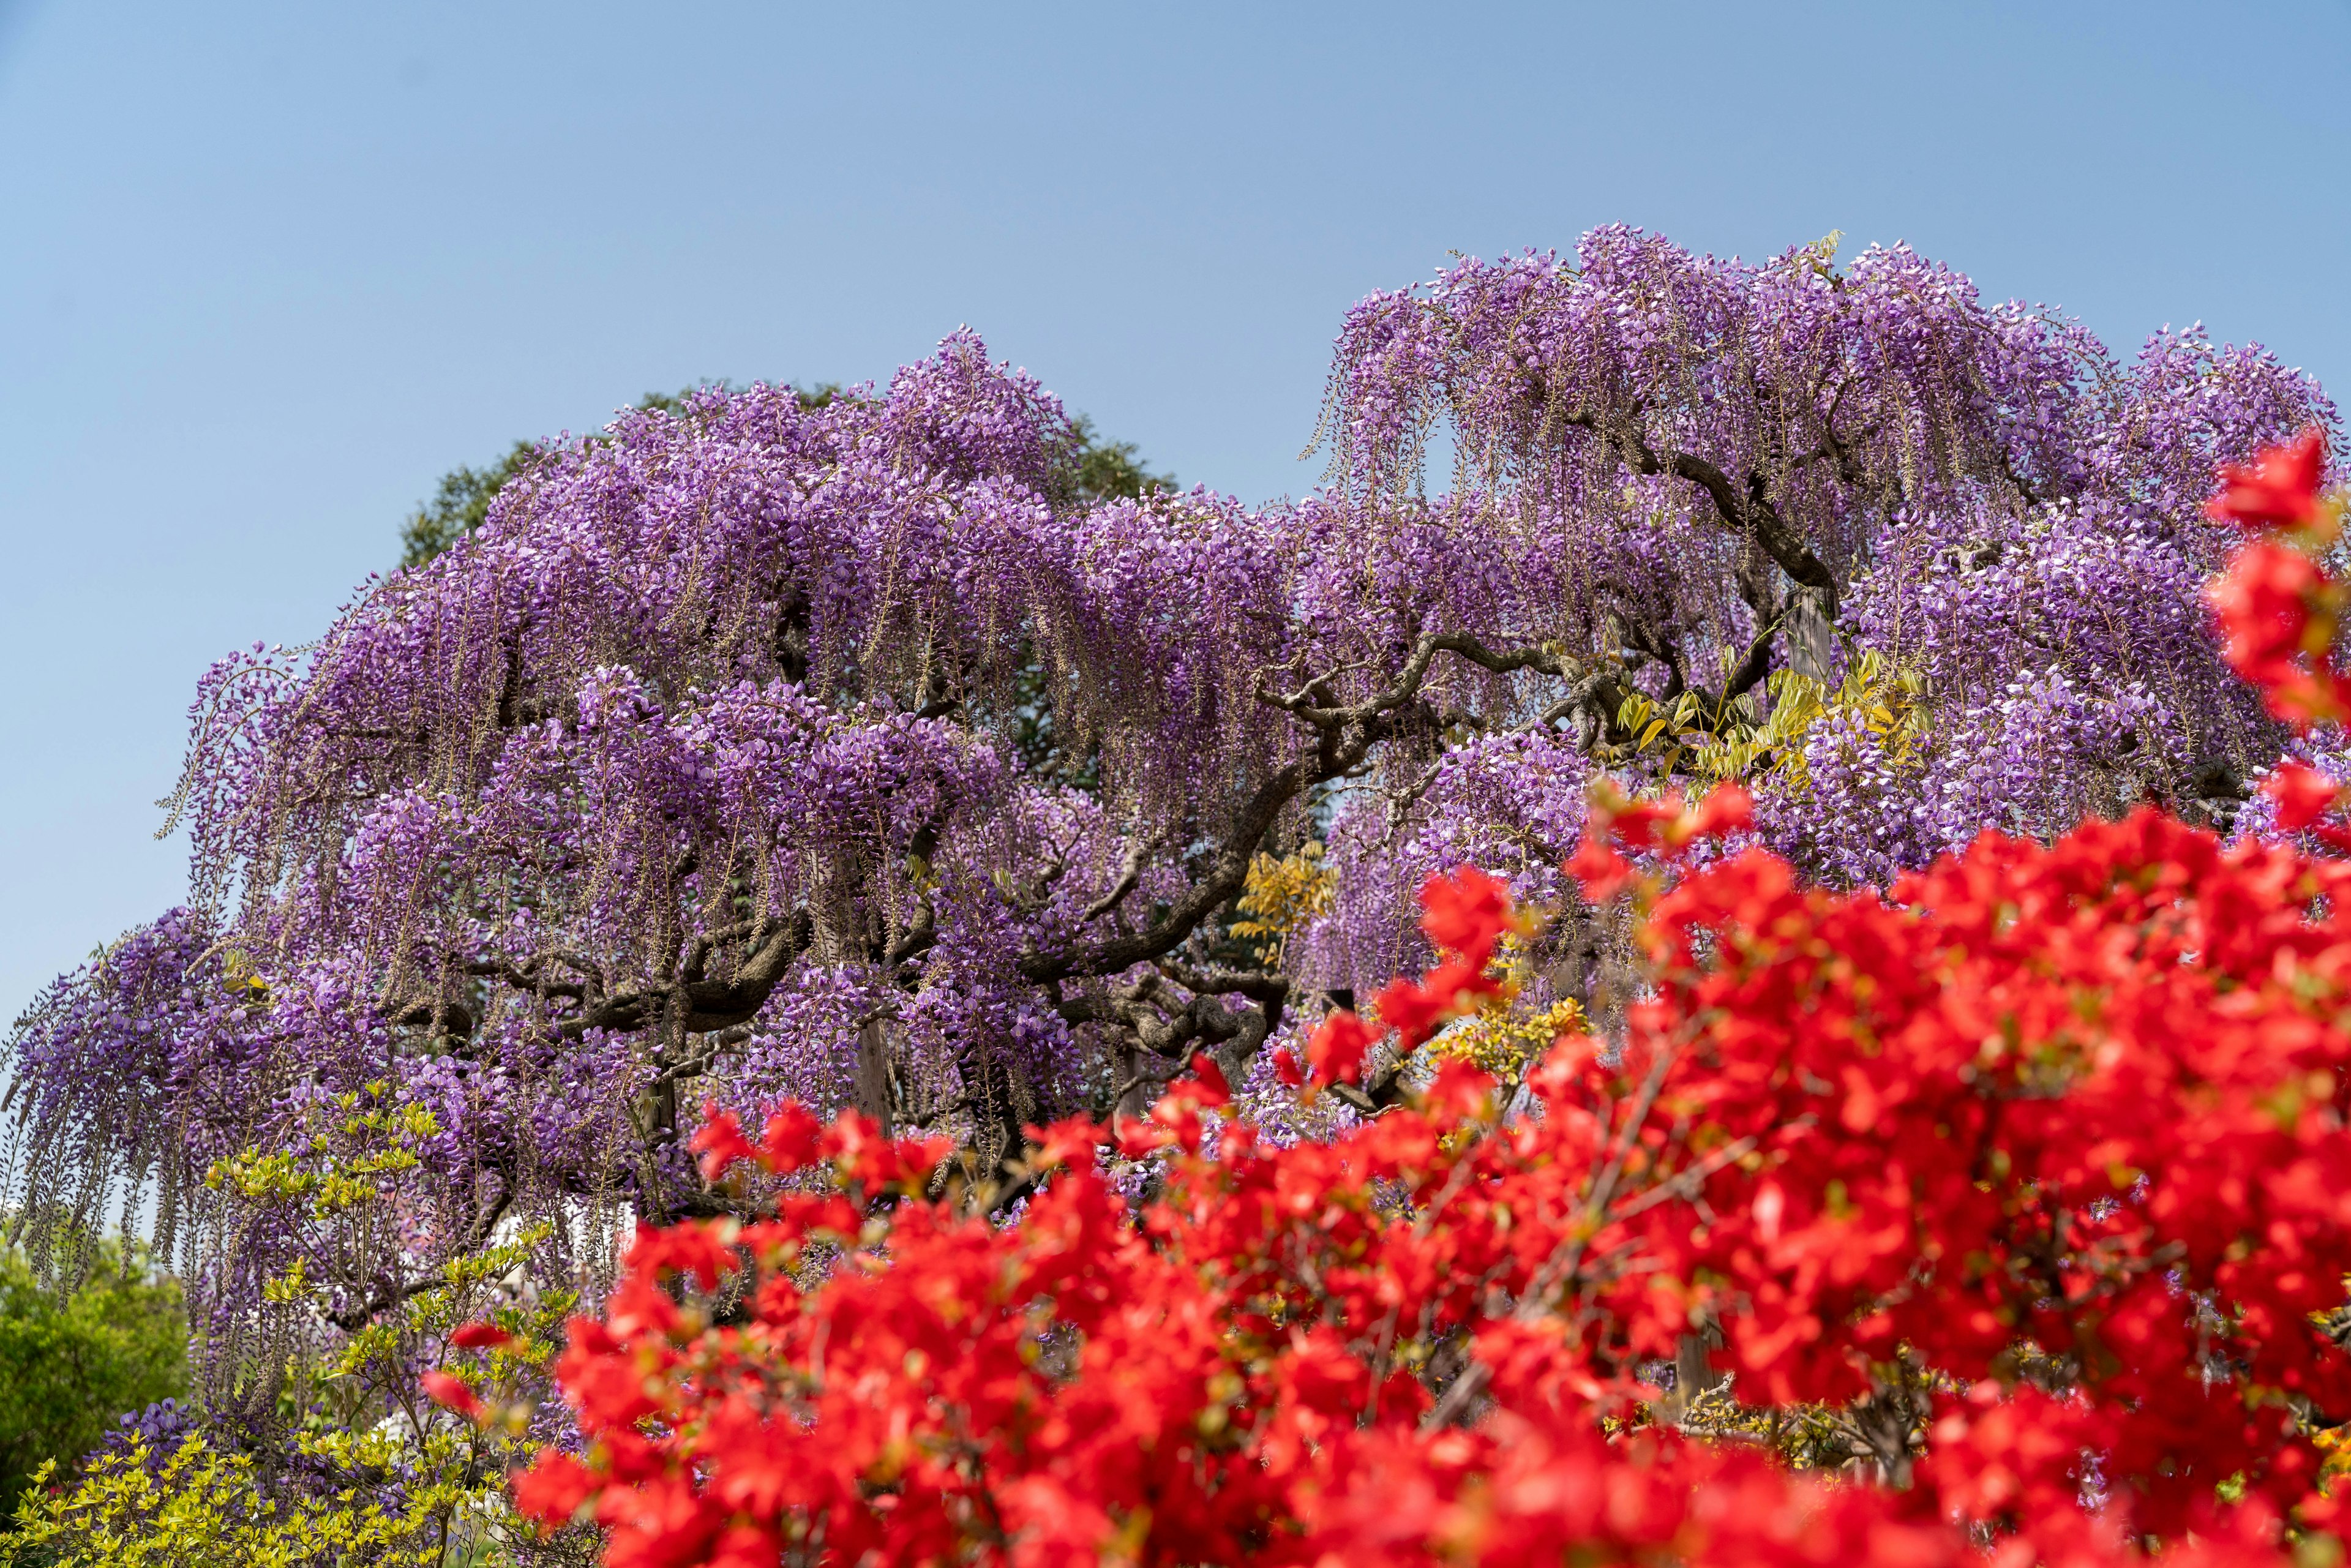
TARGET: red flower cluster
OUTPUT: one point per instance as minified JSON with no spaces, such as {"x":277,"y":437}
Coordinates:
{"x":1463,"y":916}
{"x":2280,"y":611}
{"x":2037,"y":1169}
{"x":2278,"y":489}
{"x":2027,"y":1183}
{"x":2064,"y":1124}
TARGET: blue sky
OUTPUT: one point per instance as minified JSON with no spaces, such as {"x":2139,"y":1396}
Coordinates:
{"x":266,"y":271}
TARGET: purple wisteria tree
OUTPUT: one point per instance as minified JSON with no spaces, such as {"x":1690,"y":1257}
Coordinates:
{"x":754,"y":750}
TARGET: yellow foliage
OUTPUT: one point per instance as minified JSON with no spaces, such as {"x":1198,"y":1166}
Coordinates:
{"x":1502,"y":1041}
{"x":2336,"y":1445}
{"x":337,"y":1177}
{"x":1280,"y":896}
{"x":202,"y":1508}
{"x":1887,"y":699}
{"x":242,"y":980}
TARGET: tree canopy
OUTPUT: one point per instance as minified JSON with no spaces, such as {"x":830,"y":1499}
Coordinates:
{"x":914,"y":751}
{"x":1098,"y":470}
{"x":70,"y":1365}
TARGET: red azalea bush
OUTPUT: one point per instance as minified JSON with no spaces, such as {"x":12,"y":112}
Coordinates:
{"x":2022,"y":1189}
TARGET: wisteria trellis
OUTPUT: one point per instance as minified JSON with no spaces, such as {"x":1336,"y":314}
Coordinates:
{"x":757,"y":750}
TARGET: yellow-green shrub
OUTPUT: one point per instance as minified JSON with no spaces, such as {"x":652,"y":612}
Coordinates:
{"x":202,"y":1507}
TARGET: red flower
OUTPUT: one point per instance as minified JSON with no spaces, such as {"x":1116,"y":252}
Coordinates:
{"x":2278,"y":611}
{"x":1338,"y":1047}
{"x":1216,"y":1091}
{"x":481,"y":1336}
{"x":1070,"y":1143}
{"x":2278,"y":489}
{"x":1727,"y":809}
{"x":720,"y":1142}
{"x":2303,"y":794}
{"x":2033,"y":1095}
{"x":701,"y":1252}
{"x":1412,"y":1011}
{"x":448,"y":1390}
{"x":792,"y":1139}
{"x":552,"y":1490}
{"x":1598,"y":868}
{"x":1465,"y":912}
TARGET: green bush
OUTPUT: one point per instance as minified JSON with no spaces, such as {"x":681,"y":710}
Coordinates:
{"x":69,"y":1366}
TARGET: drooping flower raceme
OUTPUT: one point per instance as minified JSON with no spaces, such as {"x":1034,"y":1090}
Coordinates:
{"x":2022,"y":1185}
{"x":755,"y":752}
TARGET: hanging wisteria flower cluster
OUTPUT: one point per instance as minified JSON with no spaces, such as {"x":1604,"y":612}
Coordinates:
{"x":755,"y":751}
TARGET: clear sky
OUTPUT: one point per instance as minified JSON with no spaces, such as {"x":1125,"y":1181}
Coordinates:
{"x":266,"y":271}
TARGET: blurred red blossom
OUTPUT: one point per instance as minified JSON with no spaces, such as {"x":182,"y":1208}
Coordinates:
{"x":2026,"y":1177}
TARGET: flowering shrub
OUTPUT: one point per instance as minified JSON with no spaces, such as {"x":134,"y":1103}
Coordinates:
{"x":771,"y":744}
{"x":2280,"y":607}
{"x":2020,"y":1191}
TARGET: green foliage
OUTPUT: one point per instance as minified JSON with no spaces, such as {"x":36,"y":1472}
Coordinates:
{"x":329,"y":1179}
{"x":69,"y":1366}
{"x":1103,"y":470}
{"x":459,"y":506}
{"x":359,"y":1415}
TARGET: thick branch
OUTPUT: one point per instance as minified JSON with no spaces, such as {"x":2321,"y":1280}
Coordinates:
{"x":710,"y":1005}
{"x":1344,"y":736}
{"x":1747,"y":508}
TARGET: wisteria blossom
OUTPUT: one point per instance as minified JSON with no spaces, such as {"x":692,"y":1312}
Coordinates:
{"x":757,"y":751}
